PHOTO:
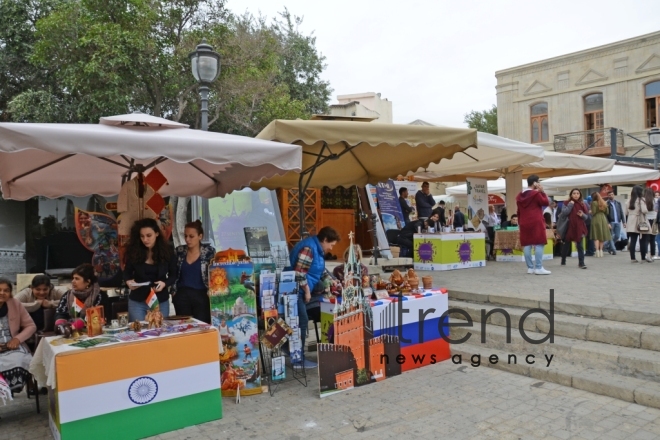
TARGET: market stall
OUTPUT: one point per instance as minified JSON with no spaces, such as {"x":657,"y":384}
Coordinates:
{"x":449,"y":251}
{"x":131,"y":384}
{"x":507,"y":246}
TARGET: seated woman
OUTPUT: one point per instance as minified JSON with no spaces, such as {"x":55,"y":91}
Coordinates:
{"x":16,"y":327}
{"x":37,"y":297}
{"x":84,"y":291}
{"x":338,"y":271}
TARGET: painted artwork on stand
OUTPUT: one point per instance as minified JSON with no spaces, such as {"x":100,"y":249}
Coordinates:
{"x":234,"y":313}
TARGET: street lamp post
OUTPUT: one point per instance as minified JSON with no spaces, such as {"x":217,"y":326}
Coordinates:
{"x":205,"y":65}
{"x":654,"y":140}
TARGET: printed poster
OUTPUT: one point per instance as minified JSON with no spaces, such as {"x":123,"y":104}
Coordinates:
{"x":388,"y":202}
{"x":98,"y":233}
{"x":477,"y":207}
{"x":380,"y":231}
{"x":412,"y":188}
{"x":234,"y":313}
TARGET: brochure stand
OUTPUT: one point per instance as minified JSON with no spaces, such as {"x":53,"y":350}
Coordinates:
{"x":292,"y":371}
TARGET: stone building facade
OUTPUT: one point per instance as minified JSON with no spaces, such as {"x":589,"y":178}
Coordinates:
{"x":570,"y":102}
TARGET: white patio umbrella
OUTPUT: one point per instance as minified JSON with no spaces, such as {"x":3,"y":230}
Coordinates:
{"x":619,"y":175}
{"x":498,"y":187}
{"x":55,"y":160}
{"x":493,"y":155}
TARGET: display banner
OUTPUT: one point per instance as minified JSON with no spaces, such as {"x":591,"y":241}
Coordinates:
{"x":388,"y":202}
{"x":380,"y":231}
{"x":449,"y":251}
{"x":477,"y":200}
{"x":412,"y":188}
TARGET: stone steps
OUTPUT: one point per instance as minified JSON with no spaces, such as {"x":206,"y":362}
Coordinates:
{"x":626,"y":361}
{"x":610,"y":349}
{"x":620,"y":312}
{"x":570,"y":326}
{"x":630,"y":389}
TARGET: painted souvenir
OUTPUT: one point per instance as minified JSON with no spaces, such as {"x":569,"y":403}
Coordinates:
{"x":154,"y":318}
{"x":412,"y":279}
{"x":396,"y":278}
{"x":365,"y":281}
{"x":136,"y":326}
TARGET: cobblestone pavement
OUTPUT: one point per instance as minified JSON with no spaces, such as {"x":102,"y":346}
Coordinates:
{"x":438,"y":401}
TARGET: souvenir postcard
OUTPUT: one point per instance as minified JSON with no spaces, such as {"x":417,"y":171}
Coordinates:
{"x":278,"y":368}
{"x":288,"y":277}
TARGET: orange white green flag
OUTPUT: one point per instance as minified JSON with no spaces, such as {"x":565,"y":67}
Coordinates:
{"x":77,"y":306}
{"x":152,"y":300}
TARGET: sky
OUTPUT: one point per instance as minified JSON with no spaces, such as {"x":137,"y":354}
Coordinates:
{"x":436,"y":60}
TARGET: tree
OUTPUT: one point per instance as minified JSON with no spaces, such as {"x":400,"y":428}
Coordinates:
{"x":485,"y":121}
{"x":116,"y":56}
{"x":362,"y":376}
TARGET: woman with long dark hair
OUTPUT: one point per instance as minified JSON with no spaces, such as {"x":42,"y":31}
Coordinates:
{"x":190,"y":292}
{"x":148,"y":260}
{"x":648,"y":237}
{"x":637,"y":210}
{"x":572,"y":226}
{"x":600,"y":227}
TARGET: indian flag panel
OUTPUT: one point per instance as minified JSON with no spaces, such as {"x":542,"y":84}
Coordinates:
{"x":136,"y":390}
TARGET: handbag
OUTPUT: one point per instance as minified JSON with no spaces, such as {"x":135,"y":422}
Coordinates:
{"x":642,"y":225}
{"x":654,"y":228}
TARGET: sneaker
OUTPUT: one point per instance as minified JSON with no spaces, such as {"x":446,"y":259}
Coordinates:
{"x":656,"y":257}
{"x":542,"y":271}
{"x":530,"y":271}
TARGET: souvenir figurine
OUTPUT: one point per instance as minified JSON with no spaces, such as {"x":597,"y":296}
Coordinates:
{"x":396,"y":278}
{"x":64,"y":330}
{"x":154,"y":318}
{"x":365,"y":281}
{"x":412,"y":279}
{"x":136,"y":326}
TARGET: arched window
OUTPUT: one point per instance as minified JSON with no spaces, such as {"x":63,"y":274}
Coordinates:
{"x":593,"y":112}
{"x":539,"y":122}
{"x":652,"y":98}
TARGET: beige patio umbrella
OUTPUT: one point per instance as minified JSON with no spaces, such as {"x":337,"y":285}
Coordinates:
{"x":342,"y":153}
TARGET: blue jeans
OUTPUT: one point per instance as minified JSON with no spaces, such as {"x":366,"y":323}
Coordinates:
{"x":538,"y":251}
{"x":616,"y":234}
{"x":137,"y":310}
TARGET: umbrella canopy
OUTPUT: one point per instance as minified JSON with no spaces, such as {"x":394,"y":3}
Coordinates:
{"x":54,"y":160}
{"x":360,"y":153}
{"x":497,"y":186}
{"x":493,"y":153}
{"x":619,"y":175}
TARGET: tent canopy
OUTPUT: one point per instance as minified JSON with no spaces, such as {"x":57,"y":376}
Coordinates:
{"x":55,"y":160}
{"x":497,"y":186}
{"x":493,"y":153}
{"x":360,"y":153}
{"x":619,"y":175}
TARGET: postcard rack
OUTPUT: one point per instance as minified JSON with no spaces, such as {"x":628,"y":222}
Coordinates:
{"x":293,"y":371}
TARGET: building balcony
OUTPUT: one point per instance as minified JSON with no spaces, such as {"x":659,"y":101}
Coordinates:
{"x":590,"y":142}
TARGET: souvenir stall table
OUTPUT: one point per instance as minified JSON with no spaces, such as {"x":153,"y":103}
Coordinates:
{"x":419,"y":340}
{"x":507,"y":246}
{"x":449,"y":251}
{"x":164,"y":380}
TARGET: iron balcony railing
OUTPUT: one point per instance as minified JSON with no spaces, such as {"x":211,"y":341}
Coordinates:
{"x":581,"y":141}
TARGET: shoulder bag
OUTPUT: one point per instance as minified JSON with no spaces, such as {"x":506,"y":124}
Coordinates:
{"x":643,"y":226}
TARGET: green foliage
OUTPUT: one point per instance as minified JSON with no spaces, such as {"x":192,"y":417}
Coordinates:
{"x":485,"y":121}
{"x":75,"y":61}
{"x":362,"y":376}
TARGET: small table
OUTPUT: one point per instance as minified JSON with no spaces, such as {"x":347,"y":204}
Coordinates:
{"x":508,"y":248}
{"x":449,"y":251}
{"x":131,"y":389}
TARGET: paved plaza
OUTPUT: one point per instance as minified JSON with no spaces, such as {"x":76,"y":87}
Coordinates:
{"x":445,"y":400}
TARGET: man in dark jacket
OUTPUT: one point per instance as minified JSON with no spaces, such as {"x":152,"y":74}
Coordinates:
{"x":405,"y":207}
{"x":441,"y":212}
{"x":424,"y":201}
{"x":407,"y":233}
{"x":615,"y":216}
{"x":530,"y":204}
{"x":459,"y":218}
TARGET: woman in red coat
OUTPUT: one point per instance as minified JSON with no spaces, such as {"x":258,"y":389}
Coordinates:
{"x":575,"y":212}
{"x":531,"y":223}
